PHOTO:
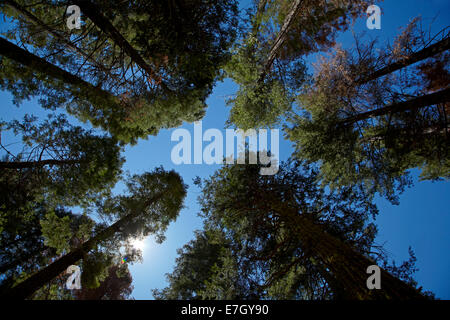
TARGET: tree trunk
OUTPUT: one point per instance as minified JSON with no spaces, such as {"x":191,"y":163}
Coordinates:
{"x":432,"y":50}
{"x":413,"y":104}
{"x":347,"y":266}
{"x":281,"y":38}
{"x":432,"y":130}
{"x":94,"y":14}
{"x":33,"y":164}
{"x":45,"y":275}
{"x":36,"y":63}
{"x":62,"y":38}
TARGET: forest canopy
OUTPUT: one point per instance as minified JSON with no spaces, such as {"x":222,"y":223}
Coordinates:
{"x":360,"y":118}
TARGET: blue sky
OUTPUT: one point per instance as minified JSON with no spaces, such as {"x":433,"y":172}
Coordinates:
{"x":422,"y":219}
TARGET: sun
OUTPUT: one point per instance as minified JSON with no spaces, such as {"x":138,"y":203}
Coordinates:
{"x":138,"y":243}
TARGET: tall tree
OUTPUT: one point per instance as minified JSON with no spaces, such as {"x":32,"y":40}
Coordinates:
{"x":122,"y":80}
{"x":268,"y":63}
{"x":21,"y":240}
{"x":57,"y":166}
{"x":65,"y":234}
{"x":36,"y":76}
{"x":116,"y":286}
{"x":368,"y":118}
{"x":55,"y":152}
{"x":293,"y":13}
{"x":405,"y":61}
{"x":39,"y":236}
{"x":93,"y":12}
{"x":286,"y":231}
{"x":197,"y":265}
{"x":154,"y":201}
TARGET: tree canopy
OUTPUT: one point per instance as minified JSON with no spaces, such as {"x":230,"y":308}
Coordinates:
{"x":112,"y":72}
{"x":300,"y":242}
{"x":153,"y":200}
{"x":365,"y":124}
{"x":358,"y":124}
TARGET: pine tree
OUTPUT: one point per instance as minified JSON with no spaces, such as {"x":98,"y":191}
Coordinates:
{"x":111,"y":72}
{"x":286,"y":237}
{"x":55,"y":152}
{"x":368,"y":118}
{"x":154,"y":200}
{"x":268,"y":64}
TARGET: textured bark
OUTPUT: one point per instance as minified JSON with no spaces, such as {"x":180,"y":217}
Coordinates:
{"x":281,"y":37}
{"x":345,"y":265}
{"x":429,"y":51}
{"x":45,"y":275}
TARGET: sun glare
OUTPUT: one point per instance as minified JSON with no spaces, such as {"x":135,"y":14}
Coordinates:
{"x":138,"y":243}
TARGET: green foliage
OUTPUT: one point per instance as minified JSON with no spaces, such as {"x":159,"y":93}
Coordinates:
{"x":223,"y":284}
{"x":257,"y":104}
{"x":374,"y":152}
{"x":136,"y":207}
{"x":95,"y":269}
{"x":267,"y":89}
{"x":251,"y":247}
{"x":203,"y":267}
{"x":94,"y":160}
{"x":57,"y":232}
{"x":154,"y":199}
{"x":54,"y":290}
{"x":260,"y":255}
{"x":342,"y":159}
{"x":188,"y":46}
{"x":116,"y":286}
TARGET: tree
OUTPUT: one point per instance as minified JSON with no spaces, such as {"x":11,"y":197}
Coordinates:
{"x":58,"y":166}
{"x":111,"y":73}
{"x":117,"y":286}
{"x":22,"y":243}
{"x":365,"y":124}
{"x":286,"y":237}
{"x":39,"y":236}
{"x":268,"y":63}
{"x":293,"y":13}
{"x":26,"y":75}
{"x":199,"y":261}
{"x":403,"y":62}
{"x":154,"y":201}
{"x":62,"y":234}
{"x":54,"y":153}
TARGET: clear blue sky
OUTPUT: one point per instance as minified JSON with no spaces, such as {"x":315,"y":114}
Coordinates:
{"x":422,"y":219}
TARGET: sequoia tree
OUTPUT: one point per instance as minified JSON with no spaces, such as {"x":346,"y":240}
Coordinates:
{"x":281,"y":236}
